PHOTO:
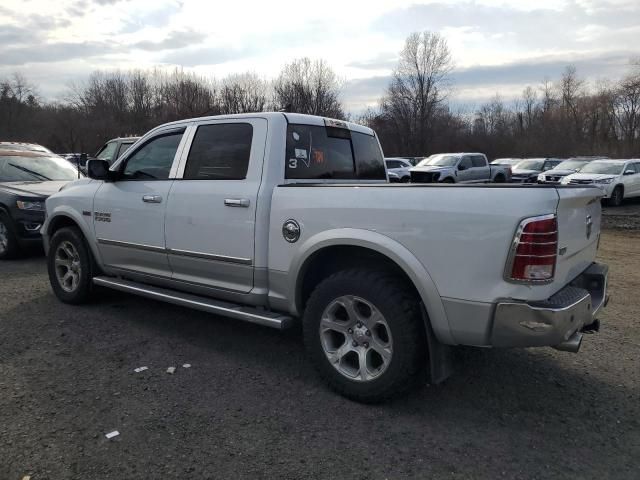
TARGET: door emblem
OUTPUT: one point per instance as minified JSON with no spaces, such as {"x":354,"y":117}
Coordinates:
{"x":589,"y":223}
{"x":291,"y":231}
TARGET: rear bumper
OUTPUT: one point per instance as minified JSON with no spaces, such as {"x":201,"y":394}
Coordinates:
{"x":556,"y":321}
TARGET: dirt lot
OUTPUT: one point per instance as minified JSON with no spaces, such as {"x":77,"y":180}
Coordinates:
{"x":252,"y":407}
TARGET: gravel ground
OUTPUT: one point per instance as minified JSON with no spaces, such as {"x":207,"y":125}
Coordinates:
{"x":624,"y":217}
{"x":251,"y":406}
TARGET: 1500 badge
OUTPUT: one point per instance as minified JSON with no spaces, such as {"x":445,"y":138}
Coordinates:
{"x":102,"y":217}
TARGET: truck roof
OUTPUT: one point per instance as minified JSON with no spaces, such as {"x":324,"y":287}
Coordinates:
{"x":290,"y":118}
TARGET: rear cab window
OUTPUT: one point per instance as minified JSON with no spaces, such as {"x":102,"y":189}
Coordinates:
{"x":316,"y":152}
{"x":479,"y":161}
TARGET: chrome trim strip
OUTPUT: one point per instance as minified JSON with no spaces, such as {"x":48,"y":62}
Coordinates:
{"x":175,"y":251}
{"x":137,"y":246}
{"x":210,"y":256}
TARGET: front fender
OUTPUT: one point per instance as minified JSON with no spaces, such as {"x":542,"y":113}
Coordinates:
{"x":386,"y":246}
{"x":83,"y":223}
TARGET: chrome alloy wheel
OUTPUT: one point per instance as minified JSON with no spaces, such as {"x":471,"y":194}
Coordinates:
{"x":356,"y":338}
{"x":67,"y":264}
{"x":4,"y":237}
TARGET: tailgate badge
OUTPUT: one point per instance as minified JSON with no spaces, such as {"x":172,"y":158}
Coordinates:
{"x":589,"y":223}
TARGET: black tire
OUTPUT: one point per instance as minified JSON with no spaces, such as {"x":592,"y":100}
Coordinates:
{"x":11,"y":249}
{"x":448,"y":180}
{"x":500,"y":179}
{"x":82,"y":292}
{"x":405,"y":179}
{"x":616,"y":197}
{"x":401,"y":311}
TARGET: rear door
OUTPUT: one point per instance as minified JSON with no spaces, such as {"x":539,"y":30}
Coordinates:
{"x":481,"y":170}
{"x":210,"y":221}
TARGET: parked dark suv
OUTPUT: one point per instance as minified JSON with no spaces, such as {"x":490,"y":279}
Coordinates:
{"x":27,"y":178}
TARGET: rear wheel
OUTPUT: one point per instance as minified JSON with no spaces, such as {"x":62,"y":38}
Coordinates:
{"x":364,"y":333}
{"x":448,"y":180}
{"x":499,"y":179}
{"x":70,"y":266}
{"x":8,"y":241}
{"x":616,"y":197}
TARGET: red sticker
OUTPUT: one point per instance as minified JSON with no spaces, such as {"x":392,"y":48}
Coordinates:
{"x":318,"y":156}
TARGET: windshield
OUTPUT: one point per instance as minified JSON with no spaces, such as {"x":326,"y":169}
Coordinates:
{"x":106,"y":153}
{"x":439,"y":160}
{"x":530,"y":165}
{"x":571,"y":165}
{"x":37,"y":168}
{"x":506,"y":161}
{"x":603,"y":167}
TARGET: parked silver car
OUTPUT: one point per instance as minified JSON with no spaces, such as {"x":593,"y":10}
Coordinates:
{"x":459,"y":167}
{"x":400,"y":167}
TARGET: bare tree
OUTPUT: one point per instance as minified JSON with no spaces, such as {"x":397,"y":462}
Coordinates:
{"x":311,"y":87}
{"x":418,"y":88}
{"x":243,"y":93}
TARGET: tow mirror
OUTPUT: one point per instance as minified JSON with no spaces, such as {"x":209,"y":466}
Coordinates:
{"x":99,"y":170}
{"x":629,"y":172}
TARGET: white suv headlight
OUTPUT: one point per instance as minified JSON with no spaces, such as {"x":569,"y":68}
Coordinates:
{"x":604,"y":180}
{"x":27,"y":205}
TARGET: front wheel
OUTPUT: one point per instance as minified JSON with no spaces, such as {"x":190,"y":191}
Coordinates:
{"x":448,"y":180}
{"x":616,"y":197}
{"x":8,"y":241}
{"x":364,"y":333}
{"x":70,"y":266}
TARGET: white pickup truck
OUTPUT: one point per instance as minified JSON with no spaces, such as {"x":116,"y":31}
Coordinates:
{"x":275,"y":218}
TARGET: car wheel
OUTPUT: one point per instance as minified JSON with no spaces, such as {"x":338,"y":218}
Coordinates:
{"x":405,"y":179}
{"x":70,"y":266}
{"x":616,"y":196}
{"x":499,"y":179}
{"x":448,"y":180}
{"x":364,"y":333}
{"x":9,"y":247}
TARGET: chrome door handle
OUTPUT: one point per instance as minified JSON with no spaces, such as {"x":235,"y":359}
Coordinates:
{"x":237,"y":202}
{"x":152,"y":198}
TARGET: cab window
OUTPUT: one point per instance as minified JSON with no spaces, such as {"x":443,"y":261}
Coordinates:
{"x":220,"y":152}
{"x":466,"y":163}
{"x":153,"y":160}
{"x":479,"y":161}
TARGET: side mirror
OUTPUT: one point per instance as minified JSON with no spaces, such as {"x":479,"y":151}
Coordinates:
{"x":461,"y":167}
{"x":99,"y":170}
{"x":629,"y":172}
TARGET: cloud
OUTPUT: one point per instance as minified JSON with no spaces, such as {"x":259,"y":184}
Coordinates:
{"x":173,"y":41}
{"x":204,"y":56}
{"x":54,"y":52}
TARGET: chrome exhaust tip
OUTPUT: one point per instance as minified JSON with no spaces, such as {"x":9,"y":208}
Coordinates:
{"x":572,"y":345}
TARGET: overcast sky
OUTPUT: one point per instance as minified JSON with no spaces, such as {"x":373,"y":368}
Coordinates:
{"x":497,"y":46}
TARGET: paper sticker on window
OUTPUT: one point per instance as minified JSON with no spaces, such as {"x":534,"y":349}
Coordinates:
{"x":318,"y":156}
{"x":301,"y":153}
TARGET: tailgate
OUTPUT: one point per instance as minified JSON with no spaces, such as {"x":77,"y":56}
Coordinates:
{"x":579,"y":214}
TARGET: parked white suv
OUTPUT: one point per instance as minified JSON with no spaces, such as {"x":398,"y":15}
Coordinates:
{"x":618,"y":179}
{"x":400,"y":167}
{"x":277,"y":218}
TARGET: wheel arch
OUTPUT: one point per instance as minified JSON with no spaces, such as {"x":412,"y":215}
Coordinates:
{"x":334,"y":250}
{"x":66,"y":218}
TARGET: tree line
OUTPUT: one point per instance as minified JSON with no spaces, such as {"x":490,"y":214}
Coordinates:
{"x":414,"y":117}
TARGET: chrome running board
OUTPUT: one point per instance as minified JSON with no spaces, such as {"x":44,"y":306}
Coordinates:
{"x":227,"y":309}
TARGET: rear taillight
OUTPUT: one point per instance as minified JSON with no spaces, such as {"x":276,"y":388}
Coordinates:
{"x":533,"y":254}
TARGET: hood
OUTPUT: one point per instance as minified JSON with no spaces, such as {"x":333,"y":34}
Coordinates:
{"x":589,"y":176}
{"x":41,"y":189}
{"x":430,"y":168}
{"x":516,"y":171}
{"x":558,"y":173}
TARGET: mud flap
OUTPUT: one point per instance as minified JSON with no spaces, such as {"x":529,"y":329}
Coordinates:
{"x":440,"y":355}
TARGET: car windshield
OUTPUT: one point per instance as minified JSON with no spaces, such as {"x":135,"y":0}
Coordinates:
{"x":612,"y":168}
{"x":571,"y":165}
{"x":439,"y":160}
{"x":17,"y":168}
{"x":530,"y":165}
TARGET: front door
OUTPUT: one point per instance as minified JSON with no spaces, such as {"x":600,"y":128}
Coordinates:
{"x":210,"y":221}
{"x":129,"y":213}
